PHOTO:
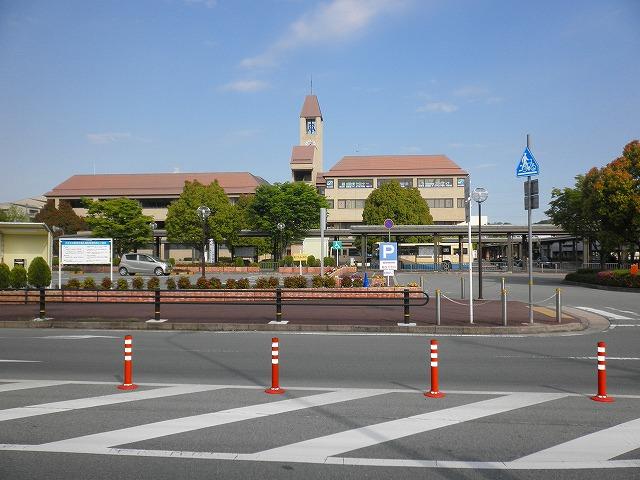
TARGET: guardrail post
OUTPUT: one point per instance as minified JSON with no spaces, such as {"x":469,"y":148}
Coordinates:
{"x":462,"y":288}
{"x":278,"y":304}
{"x":437,"y":306}
{"x":156,"y":301}
{"x":42,"y":304}
{"x":405,"y":298}
{"x":504,"y":305}
{"x":558,"y":306}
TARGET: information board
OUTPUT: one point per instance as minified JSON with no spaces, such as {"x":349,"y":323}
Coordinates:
{"x":85,"y":251}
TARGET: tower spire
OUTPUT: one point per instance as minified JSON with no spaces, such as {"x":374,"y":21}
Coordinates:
{"x":311,"y":92}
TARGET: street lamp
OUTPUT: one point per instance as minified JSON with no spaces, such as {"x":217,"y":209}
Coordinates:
{"x":203,"y":213}
{"x":479,"y":195}
{"x":153,"y":226}
{"x":280,"y":227}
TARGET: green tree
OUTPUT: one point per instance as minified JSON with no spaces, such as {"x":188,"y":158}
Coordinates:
{"x":120,"y":219}
{"x":63,"y":217}
{"x":184,"y":225}
{"x":405,"y":206}
{"x":243,"y":209}
{"x":39,"y":273}
{"x":13,"y":214}
{"x":294,"y":205}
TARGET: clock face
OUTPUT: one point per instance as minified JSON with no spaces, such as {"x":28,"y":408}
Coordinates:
{"x":310,"y":142}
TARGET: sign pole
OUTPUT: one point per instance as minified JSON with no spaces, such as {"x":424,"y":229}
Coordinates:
{"x":59,"y":264}
{"x":323,"y":225}
{"x":530,"y":245}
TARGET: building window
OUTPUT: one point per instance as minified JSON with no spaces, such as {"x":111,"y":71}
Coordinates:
{"x":356,"y":183}
{"x":404,"y":182}
{"x":311,"y":126}
{"x":440,"y":202}
{"x":330,"y":183}
{"x":350,"y":204}
{"x":76,"y":203}
{"x":460,"y":182}
{"x":461,"y":202}
{"x":435,"y":182}
{"x":154,"y":202}
{"x":330,"y":203}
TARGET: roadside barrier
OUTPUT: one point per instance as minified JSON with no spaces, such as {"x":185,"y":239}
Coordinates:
{"x":275,"y":372}
{"x":435,"y":391}
{"x":602,"y":375}
{"x":128,"y":384}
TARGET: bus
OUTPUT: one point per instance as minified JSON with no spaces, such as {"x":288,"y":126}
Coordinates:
{"x":444,"y":255}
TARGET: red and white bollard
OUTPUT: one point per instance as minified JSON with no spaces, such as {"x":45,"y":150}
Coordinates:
{"x":128,"y":365}
{"x":602,"y":375}
{"x":275,"y":374}
{"x":434,"y":392}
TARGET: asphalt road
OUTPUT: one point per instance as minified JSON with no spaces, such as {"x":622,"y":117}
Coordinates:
{"x":516,"y":407}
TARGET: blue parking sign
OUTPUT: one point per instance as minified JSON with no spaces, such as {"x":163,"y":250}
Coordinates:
{"x":388,"y":256}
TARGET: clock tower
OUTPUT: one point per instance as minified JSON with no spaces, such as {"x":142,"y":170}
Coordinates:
{"x":306,"y":158}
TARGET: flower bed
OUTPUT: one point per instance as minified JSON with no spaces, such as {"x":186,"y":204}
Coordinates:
{"x":610,"y":278}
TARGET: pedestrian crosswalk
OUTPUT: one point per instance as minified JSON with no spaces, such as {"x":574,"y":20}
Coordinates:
{"x":320,"y":425}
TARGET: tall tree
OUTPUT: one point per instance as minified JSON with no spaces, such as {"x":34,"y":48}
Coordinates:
{"x":13,"y":214}
{"x":296,"y":206}
{"x":183,"y":224}
{"x":120,"y":219}
{"x":63,"y":217}
{"x":405,"y":206}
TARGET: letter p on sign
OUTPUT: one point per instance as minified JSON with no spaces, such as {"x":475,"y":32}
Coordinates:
{"x":388,"y":251}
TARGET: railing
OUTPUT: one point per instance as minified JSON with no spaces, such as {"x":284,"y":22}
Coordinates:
{"x":278,"y":298}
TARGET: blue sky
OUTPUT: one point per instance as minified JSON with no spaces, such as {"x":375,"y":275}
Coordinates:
{"x":217,"y":85}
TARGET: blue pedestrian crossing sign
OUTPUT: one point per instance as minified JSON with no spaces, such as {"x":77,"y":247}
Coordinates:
{"x":527,"y":165}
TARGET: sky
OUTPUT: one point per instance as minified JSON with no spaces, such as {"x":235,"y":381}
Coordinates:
{"x":217,"y":85}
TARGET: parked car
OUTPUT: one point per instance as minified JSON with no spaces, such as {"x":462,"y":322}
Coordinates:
{"x":132,"y":263}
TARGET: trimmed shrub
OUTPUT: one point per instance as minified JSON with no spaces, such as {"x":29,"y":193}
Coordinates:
{"x":171,"y":284}
{"x":243,"y":284}
{"x":274,"y":282}
{"x":230,"y":283}
{"x":18,"y":277}
{"x":122,"y":284}
{"x":329,"y":262}
{"x":316,"y":281}
{"x":106,"y":283}
{"x":262,"y":282}
{"x":238,"y":262}
{"x":137,"y":283}
{"x":224,"y":261}
{"x":172,"y":261}
{"x":346,"y":281}
{"x":288,"y":261}
{"x":5,"y":276}
{"x":215,"y":283}
{"x":116,"y":261}
{"x":329,"y":282}
{"x":184,"y":283}
{"x":72,"y":284}
{"x":311,"y":261}
{"x":357,"y":281}
{"x":202,"y":283}
{"x":612,"y":278}
{"x":297,"y":281}
{"x":153,"y":283}
{"x":39,"y":273}
{"x":89,"y":284}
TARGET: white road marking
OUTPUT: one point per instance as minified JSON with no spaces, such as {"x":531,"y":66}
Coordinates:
{"x":99,"y":442}
{"x":623,"y":311}
{"x":318,"y":449}
{"x":597,"y":446}
{"x":67,"y":405}
{"x":612,"y":316}
{"x":73,"y":337}
{"x":550,"y":357}
{"x":20,"y":361}
{"x":153,"y":320}
{"x":25,"y":384}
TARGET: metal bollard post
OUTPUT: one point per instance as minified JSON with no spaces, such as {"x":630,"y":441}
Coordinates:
{"x":278,"y":304}
{"x":437,"y":306}
{"x":405,"y":298}
{"x":504,"y":306}
{"x":42,"y":304}
{"x":502,"y":283}
{"x":156,"y":301}
{"x":462,"y":288}
{"x":421,"y":283}
{"x":558,"y":306}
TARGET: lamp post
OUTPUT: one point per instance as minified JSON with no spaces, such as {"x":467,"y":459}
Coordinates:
{"x":153,"y":226}
{"x":203,"y":213}
{"x":280,"y":227}
{"x":479,"y":195}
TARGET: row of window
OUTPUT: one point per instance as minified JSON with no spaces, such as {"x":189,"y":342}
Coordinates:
{"x":432,"y":202}
{"x":443,"y":182}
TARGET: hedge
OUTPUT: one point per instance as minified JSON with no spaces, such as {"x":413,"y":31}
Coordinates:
{"x":5,"y":276}
{"x":611,"y":278}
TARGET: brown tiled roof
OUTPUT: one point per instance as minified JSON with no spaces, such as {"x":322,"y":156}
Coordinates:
{"x":320,"y":181}
{"x":311,"y":107}
{"x":394,"y":166}
{"x":302,"y":154}
{"x":151,"y":184}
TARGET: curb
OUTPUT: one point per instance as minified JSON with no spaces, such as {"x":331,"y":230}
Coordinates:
{"x":602,"y":287}
{"x":582,"y":325}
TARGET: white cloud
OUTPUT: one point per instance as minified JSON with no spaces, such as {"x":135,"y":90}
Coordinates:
{"x":244,"y":86}
{"x":108,"y":137}
{"x":440,"y":107}
{"x":335,"y":21}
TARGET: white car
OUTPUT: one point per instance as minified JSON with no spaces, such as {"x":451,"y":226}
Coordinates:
{"x":132,"y":263}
